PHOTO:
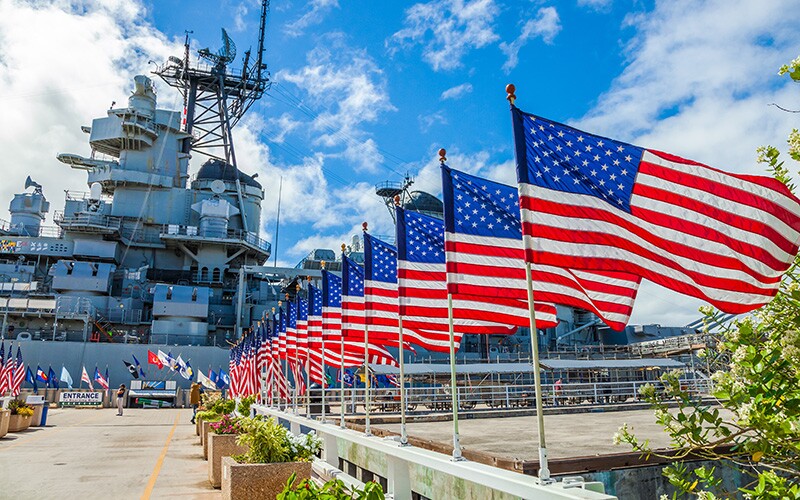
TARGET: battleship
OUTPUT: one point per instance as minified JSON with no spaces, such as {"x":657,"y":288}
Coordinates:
{"x":153,"y":256}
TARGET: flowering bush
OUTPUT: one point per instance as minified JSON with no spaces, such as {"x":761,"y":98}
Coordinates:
{"x":19,"y":407}
{"x":216,"y":409}
{"x":270,"y":442}
{"x":226,"y":425}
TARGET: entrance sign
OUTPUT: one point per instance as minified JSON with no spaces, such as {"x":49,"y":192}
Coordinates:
{"x":81,"y":399}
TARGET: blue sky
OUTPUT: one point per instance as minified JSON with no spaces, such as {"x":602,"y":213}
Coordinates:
{"x":366,"y":91}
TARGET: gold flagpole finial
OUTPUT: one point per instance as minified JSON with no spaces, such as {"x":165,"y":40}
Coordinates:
{"x":322,"y":264}
{"x":510,"y":89}
{"x":344,"y":247}
{"x":364,"y":226}
{"x":397,"y":200}
{"x":442,"y":156}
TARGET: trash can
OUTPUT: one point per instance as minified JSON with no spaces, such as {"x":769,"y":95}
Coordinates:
{"x":38,"y":406}
{"x":45,"y":407}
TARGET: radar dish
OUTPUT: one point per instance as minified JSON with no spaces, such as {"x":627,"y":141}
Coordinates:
{"x":217,"y":186}
{"x":226,"y":54}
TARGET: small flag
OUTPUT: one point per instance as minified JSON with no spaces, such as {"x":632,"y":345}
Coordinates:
{"x":392,"y":379}
{"x":205,"y":381}
{"x":52,"y":381}
{"x":99,"y":378}
{"x":85,"y":378}
{"x":183,"y":368}
{"x":138,"y":365}
{"x":223,"y":380}
{"x":65,"y":377}
{"x":29,"y":378}
{"x":154,"y":359}
{"x":131,"y":368}
{"x":108,"y":380}
{"x":41,"y":376}
{"x":212,"y":376}
{"x":19,"y":374}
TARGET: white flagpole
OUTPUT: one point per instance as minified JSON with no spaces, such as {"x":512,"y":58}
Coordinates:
{"x":403,"y":432}
{"x":367,"y":383}
{"x":544,"y":471}
{"x":366,"y":376}
{"x":454,"y":388}
{"x":322,"y":369}
{"x":341,"y":386}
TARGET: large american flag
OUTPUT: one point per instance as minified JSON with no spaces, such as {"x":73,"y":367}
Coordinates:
{"x":353,"y":316}
{"x":302,"y":330}
{"x":589,"y":202}
{"x":485,"y":258}
{"x":291,"y":330}
{"x":422,"y":287}
{"x":282,"y":325}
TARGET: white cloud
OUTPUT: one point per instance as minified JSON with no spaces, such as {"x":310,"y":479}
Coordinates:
{"x":546,"y":25}
{"x":598,"y":5}
{"x":698,"y":82}
{"x":62,"y":65}
{"x":429,"y":120}
{"x":455,"y":27}
{"x":457,"y":92}
{"x":314,"y":15}
{"x":352,"y":89}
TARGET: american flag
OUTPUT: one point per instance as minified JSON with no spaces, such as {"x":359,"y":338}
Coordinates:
{"x":299,"y":381}
{"x":282,"y":324}
{"x":291,"y":330}
{"x":422,"y":287}
{"x":332,"y":324}
{"x":302,"y":330}
{"x":19,"y":373}
{"x":589,"y":202}
{"x":315,"y":341}
{"x":485,"y":258}
{"x":3,"y":366}
{"x":380,"y":290}
{"x":353,"y":316}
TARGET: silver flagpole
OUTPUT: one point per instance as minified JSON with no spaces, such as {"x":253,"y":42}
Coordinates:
{"x":544,"y":471}
{"x":366,"y":356}
{"x":366,"y":378}
{"x":341,"y":385}
{"x":324,"y":378}
{"x":454,"y":388}
{"x":308,"y":359}
{"x":403,"y":432}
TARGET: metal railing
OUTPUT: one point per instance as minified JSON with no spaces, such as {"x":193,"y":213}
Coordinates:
{"x":427,"y":400}
{"x":96,"y":221}
{"x":231,"y":234}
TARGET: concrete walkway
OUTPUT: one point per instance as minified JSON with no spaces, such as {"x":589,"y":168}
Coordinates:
{"x":92,"y":453}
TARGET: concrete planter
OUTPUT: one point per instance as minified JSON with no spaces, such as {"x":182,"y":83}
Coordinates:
{"x":4,"y":417}
{"x":17,"y":423}
{"x":219,"y":446}
{"x":246,"y":481}
{"x":204,"y":438}
{"x":198,"y":424}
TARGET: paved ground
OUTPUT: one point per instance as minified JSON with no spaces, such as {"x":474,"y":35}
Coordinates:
{"x":91,"y":453}
{"x":572,"y":435}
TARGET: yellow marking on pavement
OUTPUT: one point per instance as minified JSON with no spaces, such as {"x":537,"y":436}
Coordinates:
{"x":47,"y":434}
{"x":154,"y":476}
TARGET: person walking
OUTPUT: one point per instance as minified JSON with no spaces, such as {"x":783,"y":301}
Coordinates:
{"x":194,"y":398}
{"x":120,"y":399}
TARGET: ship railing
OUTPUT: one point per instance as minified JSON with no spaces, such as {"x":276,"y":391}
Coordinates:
{"x":231,"y":234}
{"x":485,"y":398}
{"x":72,"y":195}
{"x":99,"y":221}
{"x":44,"y":231}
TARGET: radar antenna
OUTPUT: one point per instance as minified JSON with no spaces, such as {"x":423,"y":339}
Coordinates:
{"x":215,"y":96}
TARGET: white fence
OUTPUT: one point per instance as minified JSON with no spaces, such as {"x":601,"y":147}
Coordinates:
{"x":407,"y":470}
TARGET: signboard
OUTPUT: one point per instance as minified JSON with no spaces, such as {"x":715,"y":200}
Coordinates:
{"x":35,"y":400}
{"x":154,"y":384}
{"x":81,"y":399}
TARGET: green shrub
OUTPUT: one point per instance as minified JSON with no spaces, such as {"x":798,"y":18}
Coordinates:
{"x":19,"y":407}
{"x":245,"y":404}
{"x":332,"y":490}
{"x":270,"y":442}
